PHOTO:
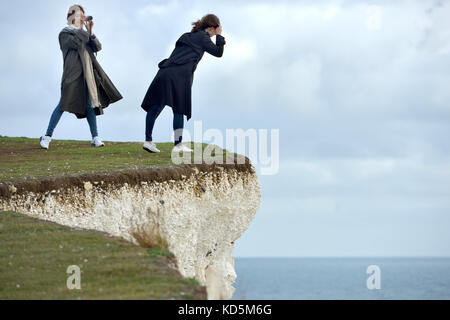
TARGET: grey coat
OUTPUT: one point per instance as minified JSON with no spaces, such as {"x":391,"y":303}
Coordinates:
{"x":73,"y":84}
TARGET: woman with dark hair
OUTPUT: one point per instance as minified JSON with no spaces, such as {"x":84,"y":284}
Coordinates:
{"x":85,"y":88}
{"x":172,"y":84}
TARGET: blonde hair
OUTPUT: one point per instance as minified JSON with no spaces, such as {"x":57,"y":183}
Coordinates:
{"x":72,"y":11}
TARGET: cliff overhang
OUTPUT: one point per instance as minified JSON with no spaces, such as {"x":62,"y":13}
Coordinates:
{"x":196,"y":211}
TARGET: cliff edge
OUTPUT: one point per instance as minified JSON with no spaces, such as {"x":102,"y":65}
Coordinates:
{"x":196,"y":211}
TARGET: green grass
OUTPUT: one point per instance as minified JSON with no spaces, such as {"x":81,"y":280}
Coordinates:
{"x":160,"y":252}
{"x":23,"y":158}
{"x":34,"y":256}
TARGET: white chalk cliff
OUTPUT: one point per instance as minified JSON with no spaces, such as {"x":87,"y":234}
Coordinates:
{"x":198,"y":217}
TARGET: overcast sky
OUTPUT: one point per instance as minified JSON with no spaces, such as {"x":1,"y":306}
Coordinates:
{"x":360,"y":91}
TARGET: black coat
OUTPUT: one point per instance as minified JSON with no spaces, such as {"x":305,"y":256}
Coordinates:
{"x":73,"y":83}
{"x":172,"y":85}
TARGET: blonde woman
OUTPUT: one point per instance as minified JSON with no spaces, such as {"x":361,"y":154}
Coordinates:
{"x":85,"y":88}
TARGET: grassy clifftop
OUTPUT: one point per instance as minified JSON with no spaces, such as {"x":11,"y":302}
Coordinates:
{"x":34,"y":255}
{"x":23,"y":158}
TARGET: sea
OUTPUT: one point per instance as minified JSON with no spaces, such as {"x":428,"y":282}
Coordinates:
{"x":342,"y":278}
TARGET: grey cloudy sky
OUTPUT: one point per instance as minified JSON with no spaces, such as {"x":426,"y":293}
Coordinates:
{"x":358,"y":89}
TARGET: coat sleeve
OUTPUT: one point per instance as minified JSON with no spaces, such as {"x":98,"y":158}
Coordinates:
{"x":214,"y":49}
{"x":95,"y":44}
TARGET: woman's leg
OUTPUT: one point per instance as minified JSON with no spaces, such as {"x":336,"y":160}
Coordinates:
{"x":152,"y":114}
{"x":178,"y":125}
{"x":54,"y":119}
{"x":91,"y":118}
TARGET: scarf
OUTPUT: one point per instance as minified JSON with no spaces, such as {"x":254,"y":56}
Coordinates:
{"x":86,"y":59}
{"x":90,"y":79}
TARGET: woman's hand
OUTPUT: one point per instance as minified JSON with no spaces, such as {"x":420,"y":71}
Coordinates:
{"x":219,"y":30}
{"x":90,"y":26}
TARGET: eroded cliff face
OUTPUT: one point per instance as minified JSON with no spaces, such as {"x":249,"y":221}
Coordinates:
{"x":197,"y":212}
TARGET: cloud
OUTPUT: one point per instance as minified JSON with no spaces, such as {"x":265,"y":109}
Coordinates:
{"x":359,"y":91}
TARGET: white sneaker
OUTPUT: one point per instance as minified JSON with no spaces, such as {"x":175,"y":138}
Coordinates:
{"x":150,"y":147}
{"x":181,"y":148}
{"x":97,"y":142}
{"x":45,"y":141}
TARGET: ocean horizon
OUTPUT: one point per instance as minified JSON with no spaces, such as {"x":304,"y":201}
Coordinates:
{"x":341,"y":278}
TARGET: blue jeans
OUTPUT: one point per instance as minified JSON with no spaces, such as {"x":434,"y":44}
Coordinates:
{"x":90,"y":114}
{"x":178,"y":123}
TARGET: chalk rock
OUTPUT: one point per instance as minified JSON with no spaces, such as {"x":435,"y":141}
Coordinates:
{"x":200,"y":229}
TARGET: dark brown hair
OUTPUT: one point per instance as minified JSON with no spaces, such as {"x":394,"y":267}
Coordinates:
{"x":73,"y":11}
{"x":210,"y":20}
